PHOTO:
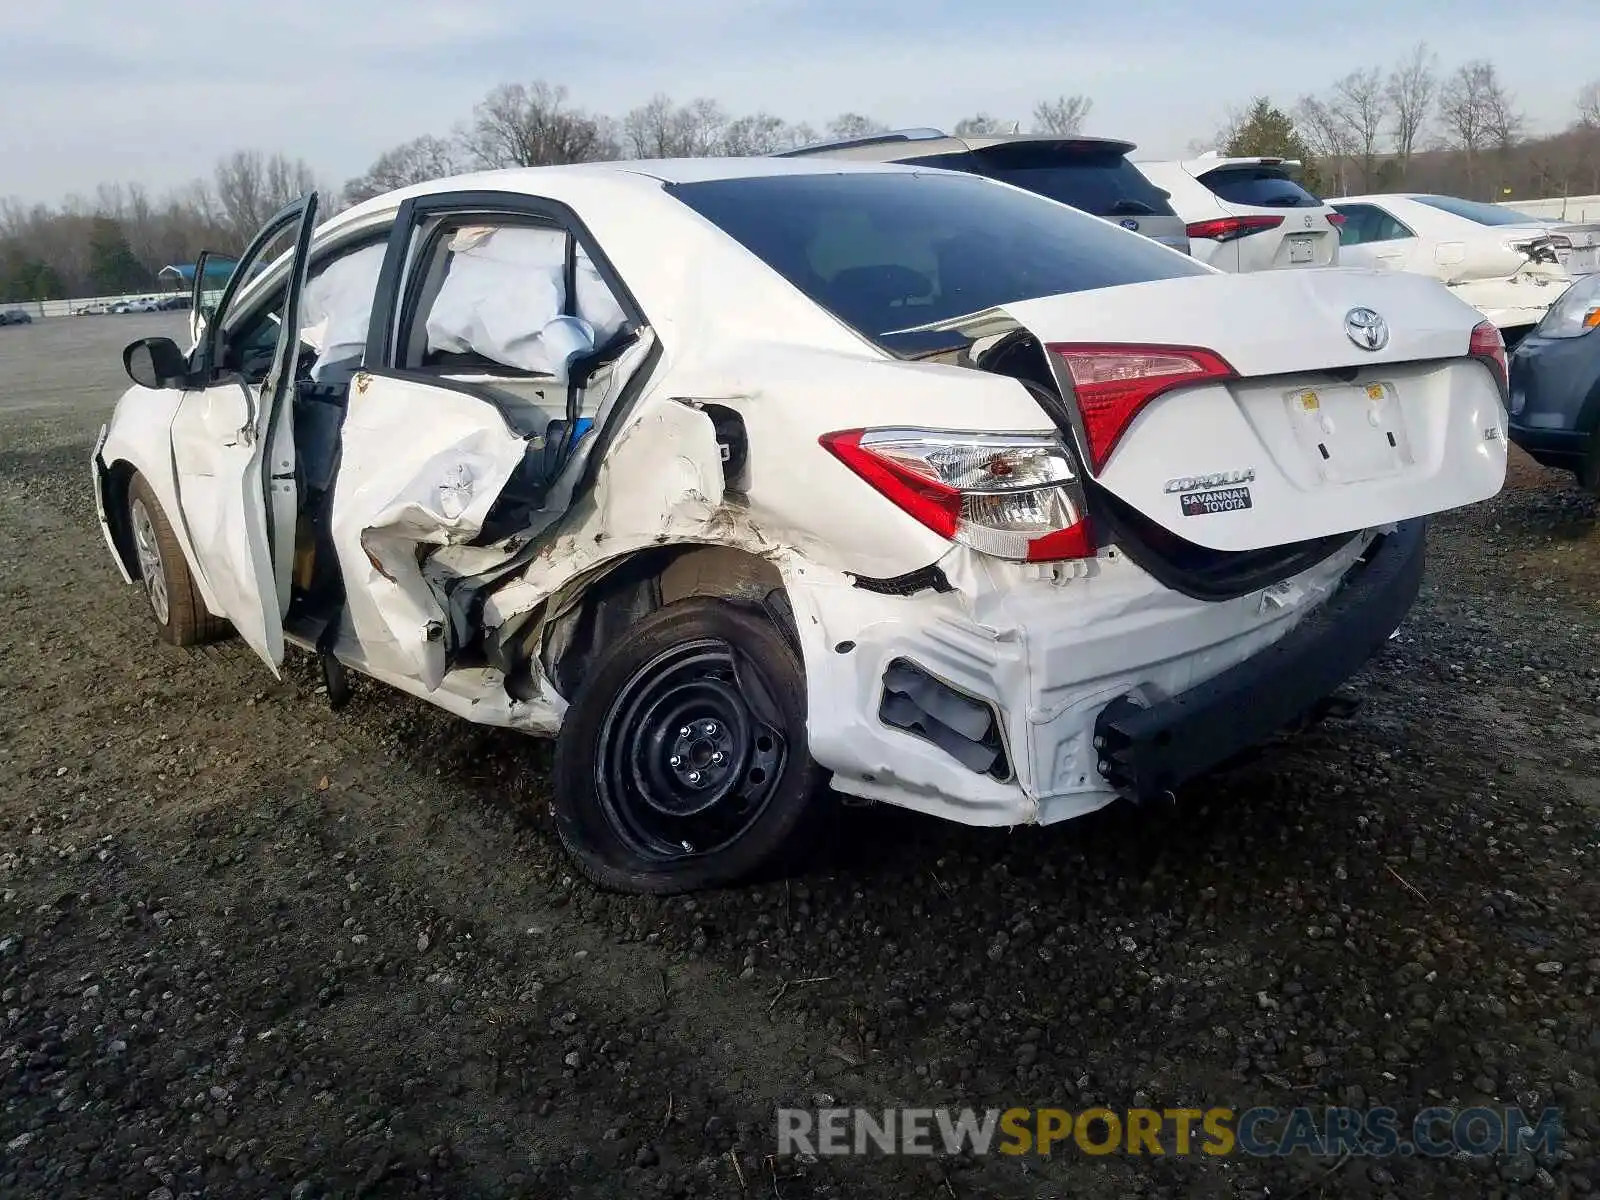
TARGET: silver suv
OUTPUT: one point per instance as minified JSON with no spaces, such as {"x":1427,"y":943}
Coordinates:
{"x":1091,"y":174}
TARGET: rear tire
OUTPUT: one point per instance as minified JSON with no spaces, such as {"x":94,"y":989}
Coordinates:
{"x":683,"y":762}
{"x":181,"y":615}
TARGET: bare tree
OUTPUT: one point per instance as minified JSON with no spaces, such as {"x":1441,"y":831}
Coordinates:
{"x":1327,"y":135}
{"x":1361,"y":103}
{"x":1064,"y":116}
{"x":761,"y":133}
{"x":661,"y":129}
{"x":422,"y":158}
{"x":854,"y":125}
{"x":983,"y":125}
{"x":1412,"y":87}
{"x":530,"y":126}
{"x":251,"y":186}
{"x":1503,"y":120}
{"x":1478,"y":114}
{"x":1589,"y":105}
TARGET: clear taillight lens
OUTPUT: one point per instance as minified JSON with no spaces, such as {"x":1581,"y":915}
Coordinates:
{"x":1013,"y":496}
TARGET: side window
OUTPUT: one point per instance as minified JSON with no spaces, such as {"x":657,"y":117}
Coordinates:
{"x":249,"y":347}
{"x":504,"y":298}
{"x":337,"y":309}
{"x":1366,"y":223}
{"x":1389,"y":228}
{"x":334,"y":313}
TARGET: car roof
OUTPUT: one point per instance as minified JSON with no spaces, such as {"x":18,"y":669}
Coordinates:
{"x":623,"y":174}
{"x":637,"y":175}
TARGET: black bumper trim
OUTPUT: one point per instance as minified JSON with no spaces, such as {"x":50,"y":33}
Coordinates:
{"x":1552,"y":447}
{"x":1148,"y":752}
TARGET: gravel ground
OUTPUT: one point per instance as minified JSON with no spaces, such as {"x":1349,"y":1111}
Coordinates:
{"x":249,"y":947}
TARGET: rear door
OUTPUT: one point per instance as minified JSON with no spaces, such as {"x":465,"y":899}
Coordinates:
{"x":1372,"y":236}
{"x":1270,"y":219}
{"x":1283,"y":426}
{"x":501,"y":343}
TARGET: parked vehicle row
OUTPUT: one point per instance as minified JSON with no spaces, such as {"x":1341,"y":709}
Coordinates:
{"x":137,"y":305}
{"x":742,"y":477}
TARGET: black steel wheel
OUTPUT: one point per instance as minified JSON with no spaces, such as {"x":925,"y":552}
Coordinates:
{"x":682,"y":762}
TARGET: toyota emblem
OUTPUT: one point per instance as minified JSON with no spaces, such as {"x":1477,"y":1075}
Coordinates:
{"x":1366,"y":329}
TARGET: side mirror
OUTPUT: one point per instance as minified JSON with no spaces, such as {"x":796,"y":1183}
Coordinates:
{"x":156,"y":363}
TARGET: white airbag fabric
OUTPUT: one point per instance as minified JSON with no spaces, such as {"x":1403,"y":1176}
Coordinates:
{"x":504,"y":295}
{"x":338,"y":307}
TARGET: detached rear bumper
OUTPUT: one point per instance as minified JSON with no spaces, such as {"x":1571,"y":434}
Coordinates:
{"x":1148,"y":751}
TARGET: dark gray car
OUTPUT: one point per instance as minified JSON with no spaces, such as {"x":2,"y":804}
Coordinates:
{"x":1555,"y":385}
{"x":1091,"y":174}
{"x":15,"y":316}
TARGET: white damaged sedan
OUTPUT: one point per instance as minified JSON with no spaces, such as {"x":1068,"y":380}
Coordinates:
{"x":741,"y":478}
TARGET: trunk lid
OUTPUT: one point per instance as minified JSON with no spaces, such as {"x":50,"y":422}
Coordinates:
{"x":1583,"y":256}
{"x":1315,"y":435}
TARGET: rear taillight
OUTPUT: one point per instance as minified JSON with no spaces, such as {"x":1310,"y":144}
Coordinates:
{"x":1336,"y":219}
{"x":1488,"y":345}
{"x":1014,"y":496}
{"x":1227,"y":229}
{"x":1113,"y":383}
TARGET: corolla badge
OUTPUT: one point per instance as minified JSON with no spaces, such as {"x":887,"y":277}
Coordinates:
{"x":1129,"y":223}
{"x":1366,"y":329}
{"x":1194,"y":483}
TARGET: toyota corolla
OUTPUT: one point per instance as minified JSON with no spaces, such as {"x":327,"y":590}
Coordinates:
{"x":744,"y":478}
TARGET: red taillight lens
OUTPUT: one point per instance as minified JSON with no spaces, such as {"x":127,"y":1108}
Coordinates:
{"x":1488,"y":345}
{"x":1013,"y":496}
{"x":1336,"y":219}
{"x":1226,"y":229}
{"x":1113,"y":383}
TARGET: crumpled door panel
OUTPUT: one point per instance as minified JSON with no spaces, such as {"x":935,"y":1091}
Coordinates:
{"x":422,"y":465}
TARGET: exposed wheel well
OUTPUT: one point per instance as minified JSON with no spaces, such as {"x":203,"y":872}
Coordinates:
{"x":118,"y":476}
{"x":641,"y":583}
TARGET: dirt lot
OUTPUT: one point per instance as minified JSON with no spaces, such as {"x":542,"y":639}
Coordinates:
{"x":249,"y":947}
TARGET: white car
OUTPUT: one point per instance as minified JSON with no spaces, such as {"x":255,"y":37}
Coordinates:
{"x":1508,"y":265}
{"x":739,"y":477}
{"x":1248,"y":214}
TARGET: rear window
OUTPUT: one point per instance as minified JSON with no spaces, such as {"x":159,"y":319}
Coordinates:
{"x":1260,"y":186}
{"x":883,"y":251}
{"x":1103,"y":183}
{"x":1474,"y":210}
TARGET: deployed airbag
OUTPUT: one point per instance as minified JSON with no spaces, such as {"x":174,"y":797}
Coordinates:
{"x":504,"y":298}
{"x":338,"y":307}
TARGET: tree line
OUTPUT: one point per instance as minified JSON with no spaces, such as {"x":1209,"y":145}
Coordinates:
{"x":1408,"y":126}
{"x":1413,"y":127}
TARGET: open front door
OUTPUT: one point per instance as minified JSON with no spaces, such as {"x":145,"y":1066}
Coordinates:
{"x":233,"y":445}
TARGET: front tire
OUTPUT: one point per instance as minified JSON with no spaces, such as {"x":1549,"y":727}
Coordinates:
{"x":683,"y":763}
{"x":181,"y":615}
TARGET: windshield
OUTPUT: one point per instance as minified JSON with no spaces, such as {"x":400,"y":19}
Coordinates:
{"x":887,"y":250}
{"x":1474,"y":210}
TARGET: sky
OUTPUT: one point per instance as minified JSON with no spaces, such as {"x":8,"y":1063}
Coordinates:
{"x":154,"y":91}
